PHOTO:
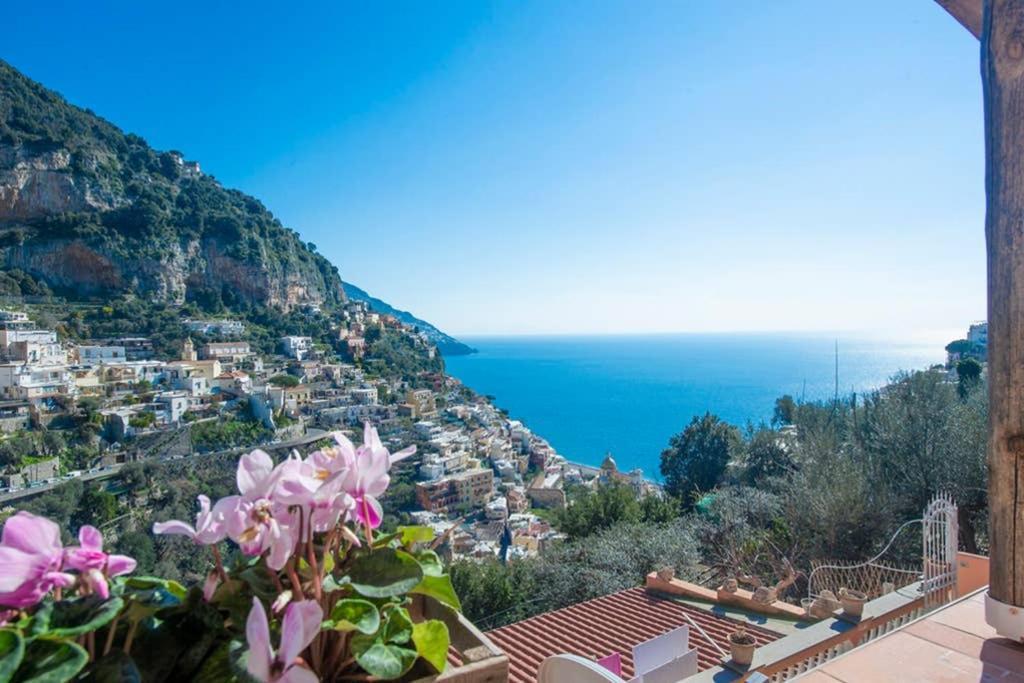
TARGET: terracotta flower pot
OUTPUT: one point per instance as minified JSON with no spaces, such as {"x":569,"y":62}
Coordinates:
{"x":741,"y":647}
{"x":853,"y":602}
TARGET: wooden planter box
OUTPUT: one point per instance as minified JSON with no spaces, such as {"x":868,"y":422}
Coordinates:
{"x":472,"y":657}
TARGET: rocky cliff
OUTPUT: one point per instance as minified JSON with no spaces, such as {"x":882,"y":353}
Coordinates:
{"x":93,"y":211}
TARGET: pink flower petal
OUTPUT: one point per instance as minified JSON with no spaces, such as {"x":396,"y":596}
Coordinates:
{"x":300,"y":625}
{"x":257,"y":634}
{"x":32,"y":534}
{"x":403,"y":454}
{"x":254,"y":470}
{"x":369,"y":511}
{"x":298,"y":674}
{"x":18,"y":568}
{"x":120,"y":564}
{"x":174,"y":527}
{"x":90,"y":538}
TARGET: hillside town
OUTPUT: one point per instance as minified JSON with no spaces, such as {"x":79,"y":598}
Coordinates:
{"x":480,"y":477}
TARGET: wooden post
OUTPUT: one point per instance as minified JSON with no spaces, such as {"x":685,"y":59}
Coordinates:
{"x":1002,"y":75}
{"x":1002,"y":70}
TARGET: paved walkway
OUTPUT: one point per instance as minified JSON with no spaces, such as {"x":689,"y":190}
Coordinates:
{"x":950,"y":645}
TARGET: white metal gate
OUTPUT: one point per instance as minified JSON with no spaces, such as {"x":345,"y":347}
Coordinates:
{"x":939,"y":552}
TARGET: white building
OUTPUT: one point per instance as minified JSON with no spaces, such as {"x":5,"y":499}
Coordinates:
{"x":173,"y":404}
{"x":189,"y":379}
{"x":224,"y":327}
{"x":13,"y":317}
{"x":296,"y":347}
{"x":92,"y":354}
{"x":364,"y":396}
{"x":28,"y":382}
{"x":977,"y":334}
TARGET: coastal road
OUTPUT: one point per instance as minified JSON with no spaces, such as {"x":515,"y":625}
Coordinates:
{"x":311,"y":436}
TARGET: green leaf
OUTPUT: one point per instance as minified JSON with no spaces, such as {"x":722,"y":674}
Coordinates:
{"x":51,"y":661}
{"x":12,"y":650}
{"x":397,"y":625}
{"x":385,"y":573}
{"x":260,"y":583}
{"x":332,"y":584}
{"x":387,"y":662}
{"x":384,"y":540}
{"x":353,"y":614}
{"x":415,"y":534}
{"x":430,"y":563}
{"x":81,"y":615}
{"x":154,"y":582}
{"x":432,"y":641}
{"x":41,"y":619}
{"x":440,"y":588}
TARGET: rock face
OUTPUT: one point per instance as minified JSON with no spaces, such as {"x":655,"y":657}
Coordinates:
{"x":91,"y":210}
{"x":37,"y":185}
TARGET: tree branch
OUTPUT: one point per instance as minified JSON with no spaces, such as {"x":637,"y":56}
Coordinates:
{"x":967,"y":12}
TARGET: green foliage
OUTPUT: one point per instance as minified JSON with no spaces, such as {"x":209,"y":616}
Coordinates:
{"x":432,"y":639}
{"x":142,"y":420}
{"x":968,"y":372}
{"x":353,"y":614}
{"x":159,"y":208}
{"x":696,"y":458}
{"x":228,"y":432}
{"x":284,"y":381}
{"x":590,"y":511}
{"x":614,"y":559}
{"x":959,"y":346}
{"x":385,"y":573}
{"x":768,"y":454}
{"x":785,"y":411}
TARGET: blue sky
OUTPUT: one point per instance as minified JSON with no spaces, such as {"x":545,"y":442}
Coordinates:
{"x":550,"y":167}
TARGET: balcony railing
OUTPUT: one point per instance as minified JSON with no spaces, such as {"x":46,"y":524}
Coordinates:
{"x":811,"y":647}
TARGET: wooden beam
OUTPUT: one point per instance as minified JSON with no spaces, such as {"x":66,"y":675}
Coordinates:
{"x":967,"y":12}
{"x":1002,"y":70}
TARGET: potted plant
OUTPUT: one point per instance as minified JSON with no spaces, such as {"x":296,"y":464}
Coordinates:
{"x":741,"y":646}
{"x":764,"y":595}
{"x":317,"y":591}
{"x":667,"y":573}
{"x":731,"y":585}
{"x":852,"y":601}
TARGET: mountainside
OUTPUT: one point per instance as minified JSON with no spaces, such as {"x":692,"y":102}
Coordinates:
{"x":91,"y":211}
{"x":446,"y":344}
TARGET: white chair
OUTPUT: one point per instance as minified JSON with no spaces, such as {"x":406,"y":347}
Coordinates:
{"x":574,"y":669}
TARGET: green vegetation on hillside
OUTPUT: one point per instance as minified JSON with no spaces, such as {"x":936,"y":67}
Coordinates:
{"x":156,"y":203}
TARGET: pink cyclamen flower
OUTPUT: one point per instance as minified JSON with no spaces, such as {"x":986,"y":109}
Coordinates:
{"x":368,"y":479}
{"x":209,"y":528}
{"x":328,"y":461}
{"x":32,"y":558}
{"x":94,"y":565}
{"x":255,"y":520}
{"x":300,"y":625}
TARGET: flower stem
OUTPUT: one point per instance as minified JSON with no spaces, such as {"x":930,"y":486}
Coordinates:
{"x":294,"y":577}
{"x":110,"y":634}
{"x":276,"y":579}
{"x":315,"y":569}
{"x":220,"y":565}
{"x":127,"y":647}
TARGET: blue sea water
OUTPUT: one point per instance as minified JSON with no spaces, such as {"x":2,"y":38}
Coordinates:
{"x":628,"y":394}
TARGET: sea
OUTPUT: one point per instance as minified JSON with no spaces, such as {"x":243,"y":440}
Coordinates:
{"x":627,"y":395}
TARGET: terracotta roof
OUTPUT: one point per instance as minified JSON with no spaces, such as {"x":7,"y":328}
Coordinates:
{"x":613,"y":623}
